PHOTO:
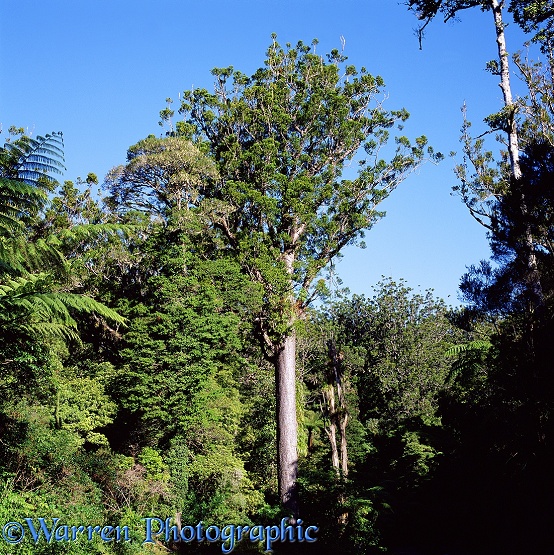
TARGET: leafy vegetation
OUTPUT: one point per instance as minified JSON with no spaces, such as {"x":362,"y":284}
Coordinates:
{"x":162,"y":353}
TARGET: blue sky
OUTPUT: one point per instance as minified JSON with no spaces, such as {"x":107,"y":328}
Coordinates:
{"x":100,"y":71}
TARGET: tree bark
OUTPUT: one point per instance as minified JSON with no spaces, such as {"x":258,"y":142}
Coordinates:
{"x":287,"y":433}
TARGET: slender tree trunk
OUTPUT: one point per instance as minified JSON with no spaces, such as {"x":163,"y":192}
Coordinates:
{"x":287,"y":433}
{"x":513,"y":141}
{"x":329,"y":396}
{"x":338,"y":416}
{"x":338,"y":419}
{"x":343,"y":445}
{"x":310,"y":440}
{"x":533,"y":275}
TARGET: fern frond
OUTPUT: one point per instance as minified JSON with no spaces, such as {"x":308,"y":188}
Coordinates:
{"x":477,"y":345}
{"x":31,"y":159}
{"x":51,"y":330}
{"x":52,"y":154}
{"x":17,"y":200}
{"x":35,"y":166}
{"x":91,"y":231}
{"x":44,"y":160}
{"x":470,"y":361}
{"x":29,"y":305}
{"x":11,"y":188}
{"x":18,"y":255}
{"x":84,"y":304}
{"x":8,"y":221}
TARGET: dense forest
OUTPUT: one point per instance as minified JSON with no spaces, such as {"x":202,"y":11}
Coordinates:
{"x":175,"y":348}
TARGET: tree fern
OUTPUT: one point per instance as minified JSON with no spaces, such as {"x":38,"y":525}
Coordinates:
{"x":26,"y":165}
{"x":33,"y":160}
{"x":29,"y":305}
{"x":469,"y":366}
{"x":29,"y":302}
{"x":17,"y":199}
{"x":19,"y":256}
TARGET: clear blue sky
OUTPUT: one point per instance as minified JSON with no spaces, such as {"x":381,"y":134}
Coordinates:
{"x":100,"y":70}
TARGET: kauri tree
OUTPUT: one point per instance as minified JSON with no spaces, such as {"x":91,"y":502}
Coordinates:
{"x":286,"y":201}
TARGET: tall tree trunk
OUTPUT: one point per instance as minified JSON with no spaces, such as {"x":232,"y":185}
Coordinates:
{"x":533,"y":275}
{"x":513,"y":141}
{"x":287,"y":433}
{"x":287,"y":426}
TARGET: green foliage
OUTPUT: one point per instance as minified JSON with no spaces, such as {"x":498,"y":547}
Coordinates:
{"x":153,"y":463}
{"x":82,"y":407}
{"x":222,"y":490}
{"x":477,"y":345}
{"x":518,"y":213}
{"x":27,"y":366}
{"x":178,"y":354}
{"x":161,"y":175}
{"x":177,"y":378}
{"x":397,"y":340}
{"x":535,"y":16}
{"x":48,"y":412}
{"x":211,"y":243}
{"x":15,"y":198}
{"x":281,"y":139}
{"x":27,"y":304}
{"x":257,"y":433}
{"x":392,"y":349}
